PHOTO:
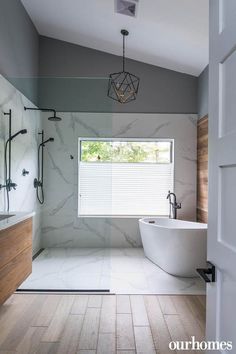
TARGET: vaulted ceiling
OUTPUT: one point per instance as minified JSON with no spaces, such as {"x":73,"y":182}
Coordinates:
{"x":169,"y":33}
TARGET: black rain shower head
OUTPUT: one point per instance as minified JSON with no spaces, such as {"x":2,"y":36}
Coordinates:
{"x":54,"y":118}
{"x":23,"y":131}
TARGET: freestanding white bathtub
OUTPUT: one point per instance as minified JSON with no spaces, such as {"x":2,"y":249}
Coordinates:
{"x":177,"y":246}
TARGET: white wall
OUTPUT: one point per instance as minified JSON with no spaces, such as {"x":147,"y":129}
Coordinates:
{"x":61,"y":225}
{"x":24,"y":154}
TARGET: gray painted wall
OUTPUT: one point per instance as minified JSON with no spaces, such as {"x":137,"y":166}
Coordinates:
{"x":19,"y":43}
{"x":161,"y":90}
{"x":203,"y":86}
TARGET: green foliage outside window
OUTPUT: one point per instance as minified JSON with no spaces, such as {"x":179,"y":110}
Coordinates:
{"x":126,"y":151}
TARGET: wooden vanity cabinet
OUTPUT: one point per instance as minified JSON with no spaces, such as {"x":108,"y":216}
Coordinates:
{"x":15,"y":257}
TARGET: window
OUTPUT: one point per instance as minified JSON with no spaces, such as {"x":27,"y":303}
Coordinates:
{"x":125,"y":177}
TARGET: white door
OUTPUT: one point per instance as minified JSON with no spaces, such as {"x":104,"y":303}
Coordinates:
{"x":221,"y":295}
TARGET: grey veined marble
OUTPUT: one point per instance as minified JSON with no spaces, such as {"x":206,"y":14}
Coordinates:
{"x":56,"y":223}
{"x":24,"y":154}
{"x":120,"y":270}
{"x":61,"y":225}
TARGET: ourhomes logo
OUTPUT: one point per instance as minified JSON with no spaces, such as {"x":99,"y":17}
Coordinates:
{"x":196,"y":345}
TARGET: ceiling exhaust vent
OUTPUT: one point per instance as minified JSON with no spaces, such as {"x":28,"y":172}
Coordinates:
{"x":126,"y":7}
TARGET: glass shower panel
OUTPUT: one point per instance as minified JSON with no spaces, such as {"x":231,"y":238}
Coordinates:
{"x":76,"y":247}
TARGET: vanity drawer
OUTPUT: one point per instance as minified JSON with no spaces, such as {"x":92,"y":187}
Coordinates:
{"x":15,"y":240}
{"x":14,"y":273}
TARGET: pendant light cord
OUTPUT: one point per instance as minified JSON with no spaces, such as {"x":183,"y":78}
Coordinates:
{"x":123,"y":52}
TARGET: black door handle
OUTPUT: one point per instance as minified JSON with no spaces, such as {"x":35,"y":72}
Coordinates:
{"x":205,"y":272}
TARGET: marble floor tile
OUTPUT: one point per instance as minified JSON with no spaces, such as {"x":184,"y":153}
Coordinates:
{"x":82,"y":281}
{"x":46,"y":281}
{"x":122,"y":271}
{"x":129,"y":283}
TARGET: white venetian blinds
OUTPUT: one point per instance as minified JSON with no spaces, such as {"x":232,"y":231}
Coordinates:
{"x":113,"y":189}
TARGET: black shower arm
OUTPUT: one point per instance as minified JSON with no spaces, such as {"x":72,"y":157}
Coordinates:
{"x":40,"y":109}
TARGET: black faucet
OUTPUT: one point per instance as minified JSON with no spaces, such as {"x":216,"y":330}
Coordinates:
{"x":173,"y":205}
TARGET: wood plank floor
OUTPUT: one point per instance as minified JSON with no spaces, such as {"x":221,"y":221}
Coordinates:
{"x":89,"y":324}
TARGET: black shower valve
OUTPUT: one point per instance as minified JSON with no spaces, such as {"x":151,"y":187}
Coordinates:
{"x":37,"y":183}
{"x":9,"y":185}
{"x":25,"y":172}
{"x":13,"y":185}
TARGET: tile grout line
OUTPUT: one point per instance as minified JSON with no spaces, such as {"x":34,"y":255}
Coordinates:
{"x":99,"y":323}
{"x":164,"y":317}
{"x":133,"y":325}
{"x":79,"y":337}
{"x":156,"y":349}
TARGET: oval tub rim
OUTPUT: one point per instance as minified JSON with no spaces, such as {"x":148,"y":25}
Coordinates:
{"x":204,"y":226}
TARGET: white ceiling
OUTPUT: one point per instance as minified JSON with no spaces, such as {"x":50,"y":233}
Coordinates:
{"x":168,"y":33}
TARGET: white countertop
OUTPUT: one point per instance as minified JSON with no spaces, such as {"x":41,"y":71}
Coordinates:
{"x":13,"y":220}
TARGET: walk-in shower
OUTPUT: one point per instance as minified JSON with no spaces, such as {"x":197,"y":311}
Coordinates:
{"x":9,"y":184}
{"x":38,"y":182}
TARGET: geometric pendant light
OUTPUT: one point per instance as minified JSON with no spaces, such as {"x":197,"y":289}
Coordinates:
{"x":123,"y":86}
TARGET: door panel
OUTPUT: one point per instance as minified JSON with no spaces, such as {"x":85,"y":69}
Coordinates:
{"x":225,"y":326}
{"x":226,"y":216}
{"x":227,"y":12}
{"x":227,"y":95}
{"x":221,"y":295}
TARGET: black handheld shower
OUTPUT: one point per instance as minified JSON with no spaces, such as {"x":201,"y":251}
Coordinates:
{"x":46,"y":141}
{"x":38,"y":182}
{"x":23,"y":131}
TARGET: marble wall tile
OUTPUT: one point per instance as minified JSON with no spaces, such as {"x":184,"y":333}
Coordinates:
{"x":24,"y":154}
{"x":58,"y":217}
{"x":61,"y":225}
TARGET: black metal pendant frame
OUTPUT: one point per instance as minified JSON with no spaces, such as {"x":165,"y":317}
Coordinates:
{"x":123,"y":86}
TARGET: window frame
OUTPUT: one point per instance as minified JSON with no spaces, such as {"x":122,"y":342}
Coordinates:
{"x":172,"y":162}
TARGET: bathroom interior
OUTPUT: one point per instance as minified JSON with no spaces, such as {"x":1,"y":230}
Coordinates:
{"x":87,"y":178}
{"x":105,"y":190}
{"x":87,"y":168}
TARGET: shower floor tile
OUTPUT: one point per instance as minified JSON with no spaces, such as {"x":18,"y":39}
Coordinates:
{"x":122,"y":271}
